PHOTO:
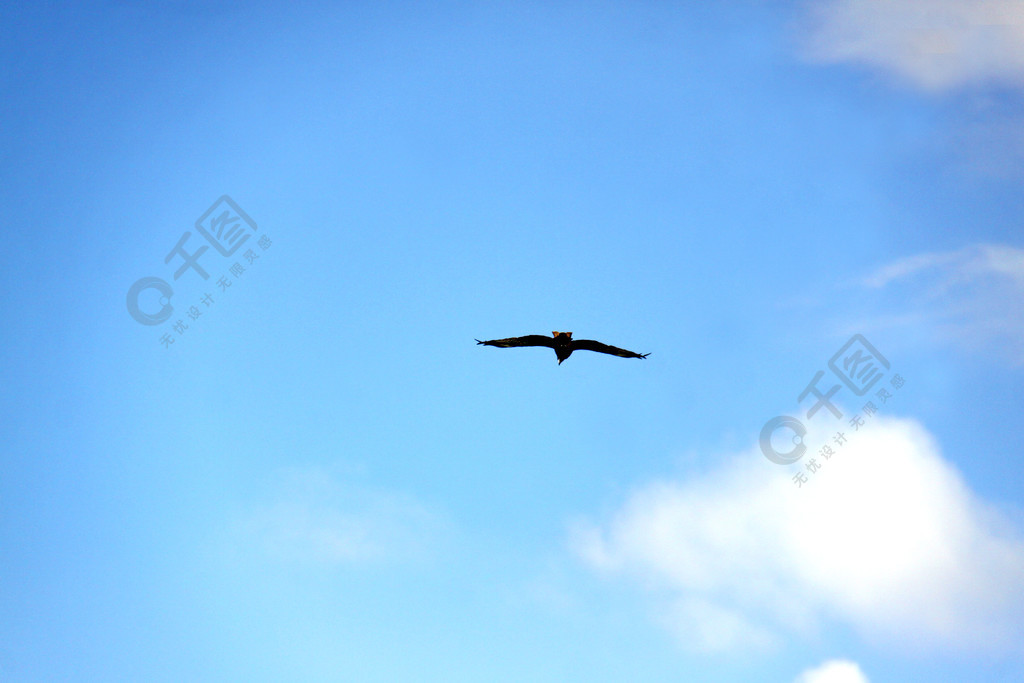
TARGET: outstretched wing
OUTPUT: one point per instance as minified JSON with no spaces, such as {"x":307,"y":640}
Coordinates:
{"x":528,"y":340}
{"x":591,"y":345}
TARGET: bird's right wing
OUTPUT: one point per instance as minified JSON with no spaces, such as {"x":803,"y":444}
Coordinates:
{"x":591,"y":345}
{"x":528,"y":340}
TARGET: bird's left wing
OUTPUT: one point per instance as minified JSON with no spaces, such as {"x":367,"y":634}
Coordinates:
{"x":528,"y":340}
{"x":591,"y":345}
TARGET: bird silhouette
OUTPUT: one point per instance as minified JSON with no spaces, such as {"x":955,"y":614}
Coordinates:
{"x":563,"y":344}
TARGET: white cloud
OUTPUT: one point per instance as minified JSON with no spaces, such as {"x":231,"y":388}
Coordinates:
{"x":833,"y":671}
{"x":970,"y":263}
{"x":885,"y":537}
{"x":973,"y":297}
{"x":313,"y":516}
{"x":932,"y":44}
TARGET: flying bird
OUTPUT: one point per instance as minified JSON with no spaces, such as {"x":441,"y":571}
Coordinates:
{"x":563,"y":344}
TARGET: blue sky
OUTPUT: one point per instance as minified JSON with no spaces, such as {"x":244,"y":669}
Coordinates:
{"x":324,"y":478}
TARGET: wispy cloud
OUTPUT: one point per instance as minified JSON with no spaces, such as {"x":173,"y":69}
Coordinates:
{"x":833,"y":671}
{"x":968,"y":264}
{"x":973,"y":297}
{"x":887,"y":538}
{"x":935,"y":45}
{"x":312,"y":516}
{"x":709,"y":627}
